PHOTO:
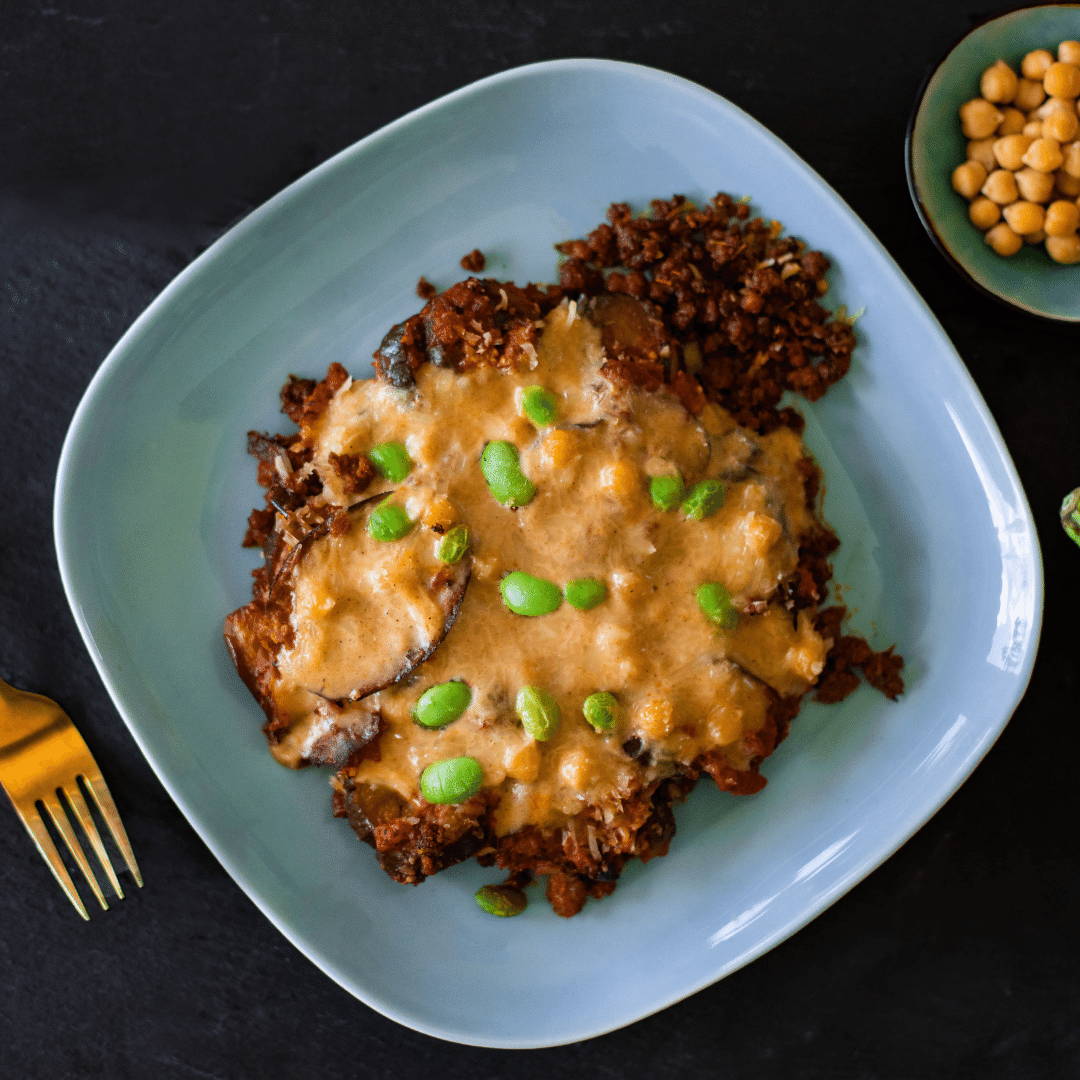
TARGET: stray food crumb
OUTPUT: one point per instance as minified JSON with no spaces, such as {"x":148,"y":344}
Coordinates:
{"x":474,"y":262}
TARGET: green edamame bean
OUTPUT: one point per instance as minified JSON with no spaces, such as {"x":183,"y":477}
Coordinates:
{"x":452,"y":780}
{"x":524,"y":594}
{"x":585,"y":593}
{"x":538,"y":712}
{"x":388,"y":521}
{"x":539,"y":405}
{"x":716,"y":604}
{"x":441,"y":704}
{"x":392,"y":460}
{"x":453,"y":545}
{"x":705,"y":498}
{"x":666,"y":491}
{"x":501,"y":467}
{"x":601,"y":711}
{"x":501,"y":900}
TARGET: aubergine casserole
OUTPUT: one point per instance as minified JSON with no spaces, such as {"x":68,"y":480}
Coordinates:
{"x":560,"y":557}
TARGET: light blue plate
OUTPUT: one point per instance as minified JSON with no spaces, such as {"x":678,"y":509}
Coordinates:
{"x":935,"y":146}
{"x":940,"y":553}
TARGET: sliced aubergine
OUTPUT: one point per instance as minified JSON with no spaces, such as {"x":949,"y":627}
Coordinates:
{"x":340,"y":617}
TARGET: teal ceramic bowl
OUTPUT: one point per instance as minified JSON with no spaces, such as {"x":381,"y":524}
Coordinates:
{"x":935,"y":146}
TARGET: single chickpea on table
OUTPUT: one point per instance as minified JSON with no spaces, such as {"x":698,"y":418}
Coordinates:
{"x":1022,"y":173}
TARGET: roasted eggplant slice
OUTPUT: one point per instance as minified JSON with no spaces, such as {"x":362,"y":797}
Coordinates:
{"x":413,"y":840}
{"x":448,"y":588}
{"x":344,"y":730}
{"x":337,"y":617}
{"x":401,"y":352}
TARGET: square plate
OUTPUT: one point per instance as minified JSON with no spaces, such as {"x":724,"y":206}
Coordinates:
{"x":939,"y":553}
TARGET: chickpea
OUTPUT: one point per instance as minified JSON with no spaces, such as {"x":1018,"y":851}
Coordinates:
{"x":1047,"y":107}
{"x":1062,"y":218}
{"x":1069,"y":52}
{"x":1032,"y":128}
{"x":620,"y":480}
{"x":982,"y":151}
{"x":998,"y":82}
{"x":1012,"y":122}
{"x":1035,"y":237}
{"x":559,"y":447}
{"x":657,"y":718}
{"x":1054,"y":105}
{"x":574,"y":770}
{"x":1043,"y":154}
{"x":1010,"y":151}
{"x":1063,"y":249}
{"x":1000,"y":186}
{"x":1003,"y":240}
{"x":523,"y":763}
{"x":1062,"y":124}
{"x":1062,"y":80}
{"x":1029,"y":94}
{"x":440,"y":511}
{"x":1024,"y":217}
{"x":1067,"y":185}
{"x":968,"y":178}
{"x":724,"y":724}
{"x":1034,"y":186}
{"x":984,"y":212}
{"x":1034,"y":65}
{"x":1071,"y":159}
{"x":979,"y":118}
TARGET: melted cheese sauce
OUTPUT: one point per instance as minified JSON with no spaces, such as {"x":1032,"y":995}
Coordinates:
{"x":684,"y":687}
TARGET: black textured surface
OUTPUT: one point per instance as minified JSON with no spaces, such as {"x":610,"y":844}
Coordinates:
{"x":131,"y":135}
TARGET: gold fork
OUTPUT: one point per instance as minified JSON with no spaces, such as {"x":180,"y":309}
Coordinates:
{"x":42,"y":758}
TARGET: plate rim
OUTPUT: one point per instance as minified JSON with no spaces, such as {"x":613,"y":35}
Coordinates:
{"x":64,"y":538}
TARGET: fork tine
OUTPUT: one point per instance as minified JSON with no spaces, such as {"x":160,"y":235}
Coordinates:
{"x":63,"y":827}
{"x":100,"y":794}
{"x":43,"y":841}
{"x":82,"y":815}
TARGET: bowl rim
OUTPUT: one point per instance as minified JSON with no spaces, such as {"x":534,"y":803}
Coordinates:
{"x":913,"y":188}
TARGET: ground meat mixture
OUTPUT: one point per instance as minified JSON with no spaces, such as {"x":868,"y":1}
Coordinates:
{"x":355,"y":469}
{"x":730,"y":310}
{"x":475,"y":321}
{"x":474,"y":262}
{"x":738,"y":301}
{"x":848,"y":656}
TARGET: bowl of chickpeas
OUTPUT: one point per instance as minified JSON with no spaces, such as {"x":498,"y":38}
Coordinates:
{"x":993,"y":158}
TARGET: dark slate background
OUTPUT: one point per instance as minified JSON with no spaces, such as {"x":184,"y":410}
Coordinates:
{"x":131,"y":135}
